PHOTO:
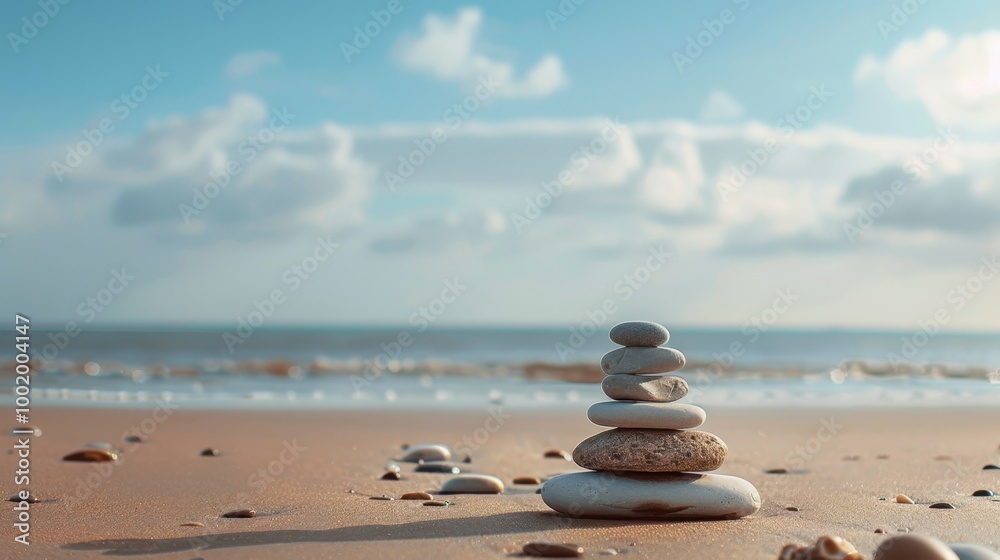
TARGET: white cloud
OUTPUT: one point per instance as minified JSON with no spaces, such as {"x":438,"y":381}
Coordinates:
{"x":245,"y":64}
{"x":448,"y":49}
{"x":957,"y":80}
{"x":721,"y":106}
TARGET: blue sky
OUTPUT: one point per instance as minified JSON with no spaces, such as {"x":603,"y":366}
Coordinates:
{"x":663,"y":178}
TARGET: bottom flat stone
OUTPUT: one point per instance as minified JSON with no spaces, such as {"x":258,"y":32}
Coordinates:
{"x":608,"y":495}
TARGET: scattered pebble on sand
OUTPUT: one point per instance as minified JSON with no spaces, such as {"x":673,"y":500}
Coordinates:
{"x":438,"y":503}
{"x":192,"y":524}
{"x":383,"y":498}
{"x":983,"y":493}
{"x":133,"y":439}
{"x":445,"y":468}
{"x":557,"y":454}
{"x":391,"y":475}
{"x":416,"y":496}
{"x":548,"y":549}
{"x":210,"y":452}
{"x":791,"y":508}
{"x":351,"y":491}
{"x":472,"y":484}
{"x":239,"y":513}
{"x":903,"y":499}
{"x":880,"y":531}
{"x":427,"y":452}
{"x":527,"y":480}
{"x":467,"y":459}
{"x":17,"y":498}
{"x":991,"y":468}
{"x":913,"y":547}
{"x":780,"y":470}
{"x":826,"y":548}
{"x":942,"y":505}
{"x":92,"y":456}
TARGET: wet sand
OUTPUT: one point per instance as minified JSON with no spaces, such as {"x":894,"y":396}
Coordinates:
{"x":297,"y":468}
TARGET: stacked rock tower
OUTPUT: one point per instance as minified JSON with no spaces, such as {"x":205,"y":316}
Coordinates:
{"x":650,"y":463}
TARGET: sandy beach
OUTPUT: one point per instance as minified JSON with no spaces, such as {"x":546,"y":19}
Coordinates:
{"x":309,"y":476}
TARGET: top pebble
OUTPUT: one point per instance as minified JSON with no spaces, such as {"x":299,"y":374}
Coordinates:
{"x":639,"y":333}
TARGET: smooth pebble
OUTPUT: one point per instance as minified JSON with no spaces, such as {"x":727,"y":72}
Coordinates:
{"x":445,"y":468}
{"x":983,"y":493}
{"x":391,"y":475}
{"x":779,"y":470}
{"x":92,"y":456}
{"x":472,"y":484}
{"x":192,"y":524}
{"x":240,"y":513}
{"x":548,"y":549}
{"x":639,"y":333}
{"x":647,"y":388}
{"x":973,"y":552}
{"x":209,"y":452}
{"x":556,"y":454}
{"x":913,"y":547}
{"x":658,"y":416}
{"x":416,"y":496}
{"x":17,"y":499}
{"x":903,"y":499}
{"x":440,"y":503}
{"x":527,"y":480}
{"x":427,"y":452}
{"x":942,"y":505}
{"x":634,"y":450}
{"x":642,"y":360}
{"x":991,"y":468}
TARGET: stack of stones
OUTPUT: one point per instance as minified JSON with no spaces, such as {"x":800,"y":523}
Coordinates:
{"x":649,"y":464}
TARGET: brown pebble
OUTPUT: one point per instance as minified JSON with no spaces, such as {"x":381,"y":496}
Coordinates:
{"x":547,"y":549}
{"x":239,"y":513}
{"x":467,"y":459}
{"x":192,"y":524}
{"x":209,"y":452}
{"x":440,"y":503}
{"x":538,"y":491}
{"x":791,"y":508}
{"x":649,"y":450}
{"x":904,"y":499}
{"x":557,"y":454}
{"x":392,"y":475}
{"x":416,"y":496}
{"x":942,"y":505}
{"x":16,"y":498}
{"x":780,"y":470}
{"x":92,"y":456}
{"x":527,"y":480}
{"x":383,"y":498}
{"x":880,"y":531}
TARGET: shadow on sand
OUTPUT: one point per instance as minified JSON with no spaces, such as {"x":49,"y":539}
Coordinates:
{"x":504,"y":523}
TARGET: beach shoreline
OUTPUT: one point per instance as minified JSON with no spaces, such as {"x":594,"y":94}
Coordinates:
{"x":298,"y":469}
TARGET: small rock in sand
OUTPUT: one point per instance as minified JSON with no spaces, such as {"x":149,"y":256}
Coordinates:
{"x":416,"y":496}
{"x":391,"y":475}
{"x":17,"y":498}
{"x":427,"y":452}
{"x":446,"y":468}
{"x":880,"y":531}
{"x":557,"y":454}
{"x":547,"y":549}
{"x":100,"y":445}
{"x":210,"y":452}
{"x":983,"y":493}
{"x":133,"y":439}
{"x":383,"y":498}
{"x":527,"y":480}
{"x":92,"y":456}
{"x":791,"y":508}
{"x":826,"y":548}
{"x":192,"y":524}
{"x":973,"y":552}
{"x":903,"y":499}
{"x":239,"y":513}
{"x":639,"y":333}
{"x":472,"y":484}
{"x":467,"y":459}
{"x":779,"y":470}
{"x":942,"y":505}
{"x":991,"y":468}
{"x":439,"y":503}
{"x":913,"y":547}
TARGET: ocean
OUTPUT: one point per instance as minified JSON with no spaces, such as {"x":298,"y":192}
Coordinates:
{"x":524,"y":367}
